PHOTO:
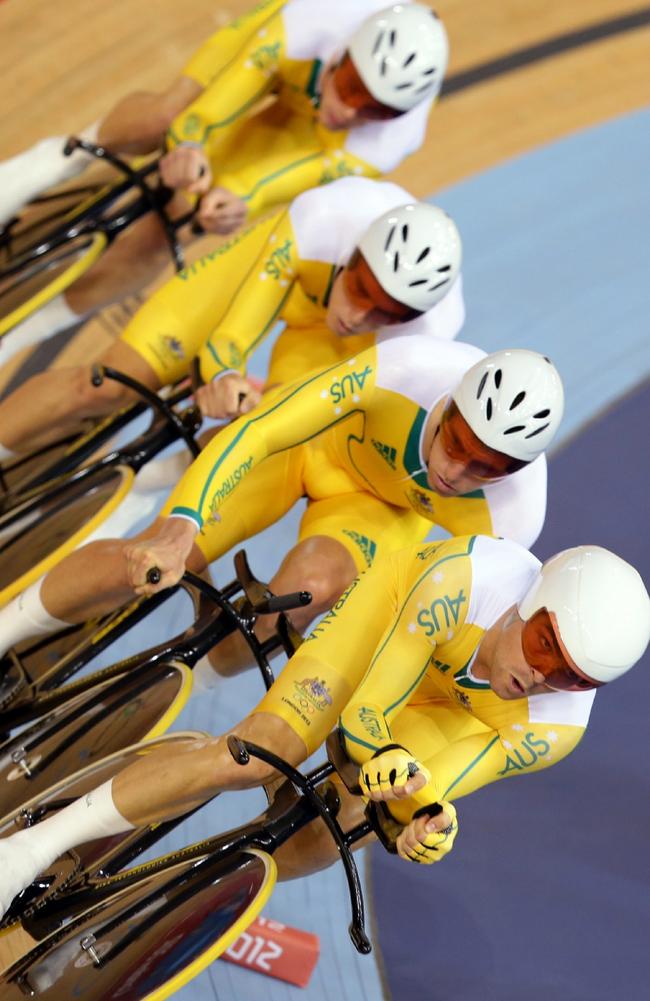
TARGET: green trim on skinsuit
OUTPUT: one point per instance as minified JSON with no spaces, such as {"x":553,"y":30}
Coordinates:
{"x":412,"y":460}
{"x":310,"y":89}
{"x":357,"y":740}
{"x":471,"y":765}
{"x":186,"y":512}
{"x":414,"y":685}
{"x":279,"y":173}
{"x":328,"y":290}
{"x":259,"y":337}
{"x":253,"y":420}
{"x":461,"y":679}
{"x":206,"y":259}
{"x":226,"y":121}
{"x":430,"y":569}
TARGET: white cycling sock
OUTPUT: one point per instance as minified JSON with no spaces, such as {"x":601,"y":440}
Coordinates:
{"x":6,"y":454}
{"x":51,"y":319}
{"x":26,"y":616}
{"x":205,"y":678}
{"x":28,"y":174}
{"x":162,"y":473}
{"x":27,"y":853}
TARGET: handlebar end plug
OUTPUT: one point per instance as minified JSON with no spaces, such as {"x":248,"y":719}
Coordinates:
{"x":238,"y":750}
{"x":97,"y":375}
{"x":360,"y":940}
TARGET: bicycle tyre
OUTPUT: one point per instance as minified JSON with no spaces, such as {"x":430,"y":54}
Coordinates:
{"x":151,"y":937}
{"x":42,"y":279}
{"x":46,"y":214}
{"x":58,"y":526}
{"x":107,"y":718}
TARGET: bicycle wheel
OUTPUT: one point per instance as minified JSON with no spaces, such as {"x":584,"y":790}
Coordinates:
{"x":55,"y":525}
{"x":106,"y":719}
{"x":44,"y":277}
{"x":44,"y":215}
{"x":150,"y":938}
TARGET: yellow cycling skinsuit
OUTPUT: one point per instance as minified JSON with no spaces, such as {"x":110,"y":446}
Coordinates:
{"x":350,"y":438}
{"x":270,"y":155}
{"x":222,"y":306}
{"x":394,"y":659}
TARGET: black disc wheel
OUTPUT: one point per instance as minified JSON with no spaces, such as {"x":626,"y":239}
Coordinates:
{"x":149,"y":938}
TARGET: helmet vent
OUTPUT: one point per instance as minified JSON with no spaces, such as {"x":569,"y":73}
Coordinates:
{"x":418,"y":281}
{"x":396,"y":261}
{"x":444,"y":268}
{"x":429,"y":72}
{"x":537,"y":431}
{"x":408,"y":60}
{"x":519,"y":398}
{"x":497,"y":378}
{"x":424,"y":253}
{"x":405,"y":233}
{"x":389,"y":239}
{"x":515,"y":428}
{"x":488,"y":408}
{"x":542,"y":413}
{"x":432,"y":288}
{"x":481,"y":385}
{"x":393,"y":37}
{"x":380,"y":38}
{"x":384,"y":66}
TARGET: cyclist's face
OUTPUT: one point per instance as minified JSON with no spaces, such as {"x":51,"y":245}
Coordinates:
{"x":358,"y":303}
{"x":501,"y":660}
{"x":345,"y":100}
{"x":458,"y":461}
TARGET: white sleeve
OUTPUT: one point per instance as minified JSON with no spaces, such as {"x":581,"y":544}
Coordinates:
{"x":502,"y":572}
{"x":518,"y":503}
{"x":385,"y":144}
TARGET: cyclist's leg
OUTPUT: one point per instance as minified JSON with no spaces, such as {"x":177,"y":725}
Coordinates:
{"x":313,"y":848}
{"x":93,"y":579}
{"x":55,"y":402}
{"x":339,"y":537}
{"x":136,"y":125}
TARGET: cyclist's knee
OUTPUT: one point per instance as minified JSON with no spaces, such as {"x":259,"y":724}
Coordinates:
{"x":324,"y":571}
{"x":97,"y":399}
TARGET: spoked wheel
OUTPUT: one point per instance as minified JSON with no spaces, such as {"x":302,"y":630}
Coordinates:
{"x":150,"y":938}
{"x":106,"y":719}
{"x":44,"y":277}
{"x":33,"y":539}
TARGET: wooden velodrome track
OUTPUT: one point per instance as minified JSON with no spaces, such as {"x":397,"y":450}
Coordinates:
{"x":65,"y":64}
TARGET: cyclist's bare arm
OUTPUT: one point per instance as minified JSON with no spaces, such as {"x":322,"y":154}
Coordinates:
{"x":138,"y":123}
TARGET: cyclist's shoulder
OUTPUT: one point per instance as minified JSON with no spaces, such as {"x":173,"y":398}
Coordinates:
{"x":501,"y":572}
{"x":422,"y":367}
{"x":311,"y":35}
{"x":328,"y":221}
{"x":518,"y":502}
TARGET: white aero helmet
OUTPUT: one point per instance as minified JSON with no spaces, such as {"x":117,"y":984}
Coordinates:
{"x":414,"y":252}
{"x":401,"y":54}
{"x":600,"y":606}
{"x":513,"y":401}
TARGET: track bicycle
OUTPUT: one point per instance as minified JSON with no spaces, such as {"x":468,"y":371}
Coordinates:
{"x":63,"y":726}
{"x":39,"y":260}
{"x":51,"y":519}
{"x":143,"y":933}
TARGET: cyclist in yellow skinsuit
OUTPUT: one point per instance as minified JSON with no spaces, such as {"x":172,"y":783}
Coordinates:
{"x":410,"y":432}
{"x":222,"y":307}
{"x":453,"y":665}
{"x":351,"y":94}
{"x":307,"y":62}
